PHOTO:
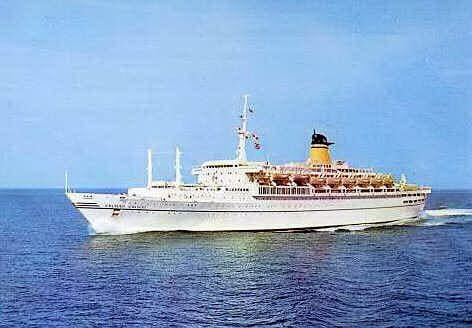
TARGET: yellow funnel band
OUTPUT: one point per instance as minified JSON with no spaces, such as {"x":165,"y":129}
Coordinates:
{"x":319,"y":154}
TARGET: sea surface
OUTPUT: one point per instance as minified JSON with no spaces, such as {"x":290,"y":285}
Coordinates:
{"x":54,"y":272}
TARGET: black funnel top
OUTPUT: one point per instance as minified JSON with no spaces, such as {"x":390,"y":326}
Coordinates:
{"x":320,"y":139}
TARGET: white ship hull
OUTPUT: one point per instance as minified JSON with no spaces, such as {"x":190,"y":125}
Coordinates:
{"x":110,"y":216}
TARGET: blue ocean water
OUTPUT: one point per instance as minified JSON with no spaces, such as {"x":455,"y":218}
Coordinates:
{"x":54,"y":273}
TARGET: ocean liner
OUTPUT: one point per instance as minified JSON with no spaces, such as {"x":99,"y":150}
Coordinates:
{"x":242,"y":195}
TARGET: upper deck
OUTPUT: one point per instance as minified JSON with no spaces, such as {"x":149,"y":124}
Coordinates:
{"x":318,"y":175}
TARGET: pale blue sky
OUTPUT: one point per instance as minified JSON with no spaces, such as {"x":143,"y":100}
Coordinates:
{"x":89,"y":85}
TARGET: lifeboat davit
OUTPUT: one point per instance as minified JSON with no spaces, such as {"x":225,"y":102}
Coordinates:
{"x":333,"y":182}
{"x":317,"y":181}
{"x":264,"y":181}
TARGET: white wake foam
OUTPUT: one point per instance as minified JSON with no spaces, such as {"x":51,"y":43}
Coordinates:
{"x":449,"y":212}
{"x":357,"y":227}
{"x":361,"y":227}
{"x":429,"y":218}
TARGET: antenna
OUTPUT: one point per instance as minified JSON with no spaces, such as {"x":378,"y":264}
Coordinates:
{"x":66,"y":184}
{"x":149,"y":168}
{"x":242,"y":133}
{"x":178,"y":175}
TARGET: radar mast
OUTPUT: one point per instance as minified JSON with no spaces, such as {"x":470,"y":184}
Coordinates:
{"x":242,"y":133}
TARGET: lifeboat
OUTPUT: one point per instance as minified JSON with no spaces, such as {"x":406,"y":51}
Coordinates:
{"x":363,"y":182}
{"x":411,"y":187}
{"x":317,"y":181}
{"x":281,"y":179}
{"x":348,"y":182}
{"x":376,"y":182}
{"x":333,"y":182}
{"x":301,"y":179}
{"x":261,"y":178}
{"x":387,"y":180}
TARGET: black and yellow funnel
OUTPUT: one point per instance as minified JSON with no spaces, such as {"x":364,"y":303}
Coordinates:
{"x":319,"y":150}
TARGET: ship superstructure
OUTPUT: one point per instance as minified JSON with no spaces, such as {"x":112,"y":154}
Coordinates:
{"x":242,"y":195}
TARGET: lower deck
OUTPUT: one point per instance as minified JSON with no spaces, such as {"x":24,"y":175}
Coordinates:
{"x":257,"y":203}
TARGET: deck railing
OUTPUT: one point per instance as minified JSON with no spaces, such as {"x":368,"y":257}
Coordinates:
{"x":312,"y":191}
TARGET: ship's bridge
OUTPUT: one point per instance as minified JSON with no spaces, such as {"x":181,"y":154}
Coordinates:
{"x":222,"y":163}
{"x":226,"y":172}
